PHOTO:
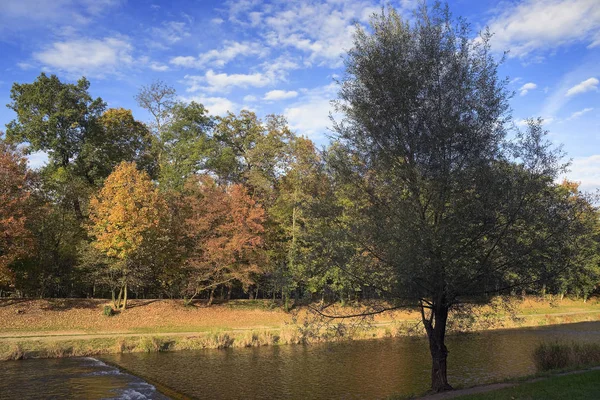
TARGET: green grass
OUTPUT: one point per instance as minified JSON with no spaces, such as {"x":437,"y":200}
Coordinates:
{"x":577,"y":386}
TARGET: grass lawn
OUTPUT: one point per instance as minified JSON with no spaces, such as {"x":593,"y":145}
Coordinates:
{"x":577,"y":386}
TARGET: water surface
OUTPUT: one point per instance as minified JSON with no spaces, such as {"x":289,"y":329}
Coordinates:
{"x":70,"y":378}
{"x":350,"y":370}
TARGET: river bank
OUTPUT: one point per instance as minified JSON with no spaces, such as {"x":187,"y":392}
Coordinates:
{"x":70,"y":327}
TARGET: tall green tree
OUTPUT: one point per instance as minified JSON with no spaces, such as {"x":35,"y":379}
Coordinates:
{"x":53,"y":116}
{"x":455,"y":210}
{"x":118,"y":137}
{"x":185,"y":144}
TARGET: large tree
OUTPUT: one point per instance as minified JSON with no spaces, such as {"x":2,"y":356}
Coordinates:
{"x":224,"y":228}
{"x":447,"y":199}
{"x":126,"y":220}
{"x":53,"y":116}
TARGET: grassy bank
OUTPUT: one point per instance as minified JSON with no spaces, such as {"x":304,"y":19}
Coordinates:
{"x":581,"y":386}
{"x":71,"y":327}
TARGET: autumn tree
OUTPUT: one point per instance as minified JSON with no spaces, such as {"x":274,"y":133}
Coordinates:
{"x":15,"y":237}
{"x":125,"y":220}
{"x":225,"y":235}
{"x":443,"y":200}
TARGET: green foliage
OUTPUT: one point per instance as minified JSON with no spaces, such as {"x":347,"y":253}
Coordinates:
{"x":53,"y":116}
{"x":184,"y":144}
{"x":108,"y":311}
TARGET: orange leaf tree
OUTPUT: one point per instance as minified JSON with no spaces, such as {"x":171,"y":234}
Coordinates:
{"x":225,"y":234}
{"x":125,"y":221}
{"x":15,"y":238}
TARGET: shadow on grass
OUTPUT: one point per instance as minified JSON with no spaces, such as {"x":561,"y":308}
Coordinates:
{"x":11,"y":302}
{"x":68,"y":304}
{"x":140,"y":303}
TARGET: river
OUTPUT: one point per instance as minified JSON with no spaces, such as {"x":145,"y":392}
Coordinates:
{"x":349,"y":370}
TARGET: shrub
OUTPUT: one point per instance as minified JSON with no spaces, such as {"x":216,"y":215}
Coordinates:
{"x":108,"y":311}
{"x":14,"y":353}
{"x":149,"y":344}
{"x":558,"y":355}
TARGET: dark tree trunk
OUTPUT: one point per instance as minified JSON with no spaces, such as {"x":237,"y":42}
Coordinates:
{"x":436,"y":332}
{"x":211,"y":297}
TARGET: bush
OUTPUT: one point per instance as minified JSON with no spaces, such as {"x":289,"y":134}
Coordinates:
{"x":558,"y":355}
{"x":150,"y":344}
{"x":108,"y":311}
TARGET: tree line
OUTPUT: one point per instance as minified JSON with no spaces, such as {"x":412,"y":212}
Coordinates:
{"x":188,"y":205}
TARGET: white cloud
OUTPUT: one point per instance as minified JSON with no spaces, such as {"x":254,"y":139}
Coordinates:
{"x":582,"y":87}
{"x":156,"y":66}
{"x":217,"y":21}
{"x":250,"y":98}
{"x":25,"y":66}
{"x":309,"y":116}
{"x":320,"y":29}
{"x":526,"y":88}
{"x":545,"y":121}
{"x":214,"y":105}
{"x":91,"y":57}
{"x":578,"y":114}
{"x":169,"y":32}
{"x":280,"y":95}
{"x":539,"y":25}
{"x":222,"y":82}
{"x":587,"y":171}
{"x":218,"y":58}
{"x":28,"y":14}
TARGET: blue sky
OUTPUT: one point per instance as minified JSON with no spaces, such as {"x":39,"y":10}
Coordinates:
{"x":282,"y":56}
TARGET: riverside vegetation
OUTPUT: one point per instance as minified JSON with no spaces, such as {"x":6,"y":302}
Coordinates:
{"x":37,"y":328}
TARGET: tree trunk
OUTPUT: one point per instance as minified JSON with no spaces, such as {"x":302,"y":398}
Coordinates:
{"x":211,"y":297}
{"x":436,"y":332}
{"x":125,"y":298}
{"x":117,"y":303}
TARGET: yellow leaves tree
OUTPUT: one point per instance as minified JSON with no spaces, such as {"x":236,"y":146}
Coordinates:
{"x":125,"y":219}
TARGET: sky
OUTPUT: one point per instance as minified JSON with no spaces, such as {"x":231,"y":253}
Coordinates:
{"x":283,"y":57}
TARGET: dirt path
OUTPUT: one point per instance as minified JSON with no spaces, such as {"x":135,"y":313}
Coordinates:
{"x":24,"y":336}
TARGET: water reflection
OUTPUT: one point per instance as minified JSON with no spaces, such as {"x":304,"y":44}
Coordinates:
{"x":362,"y":369}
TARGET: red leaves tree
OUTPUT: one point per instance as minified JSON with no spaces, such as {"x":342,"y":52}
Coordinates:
{"x":224,"y":230}
{"x":15,"y":238}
